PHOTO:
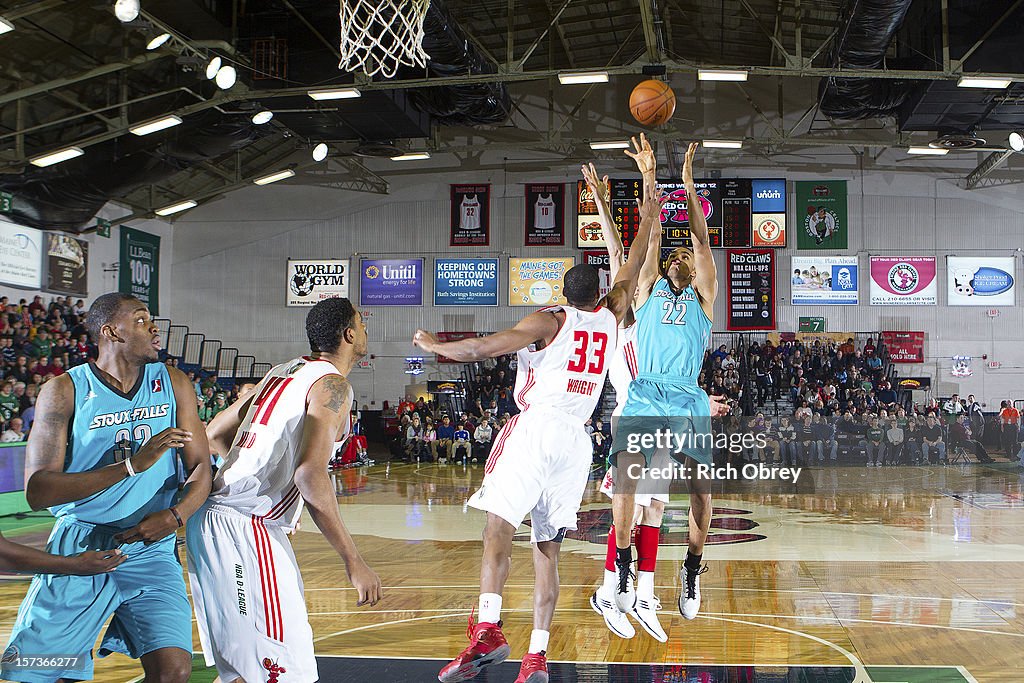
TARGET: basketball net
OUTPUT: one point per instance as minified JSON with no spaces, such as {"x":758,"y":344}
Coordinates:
{"x":378,"y":36}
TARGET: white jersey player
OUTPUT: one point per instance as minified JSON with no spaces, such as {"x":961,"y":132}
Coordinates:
{"x":544,"y":213}
{"x":540,"y":461}
{"x":469,"y":213}
{"x":277,"y":440}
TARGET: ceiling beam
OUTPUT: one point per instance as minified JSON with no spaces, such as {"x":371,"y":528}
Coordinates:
{"x":103,"y":70}
{"x":775,"y":41}
{"x":647,"y":21}
{"x":990,"y":163}
{"x":31,"y":8}
{"x":529,"y":51}
{"x":991,"y":29}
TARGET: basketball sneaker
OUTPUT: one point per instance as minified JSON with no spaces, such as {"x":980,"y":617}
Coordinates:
{"x":645,"y":612}
{"x":689,"y":599}
{"x":487,"y":646}
{"x":534,"y":668}
{"x":625,"y":594}
{"x":616,"y":621}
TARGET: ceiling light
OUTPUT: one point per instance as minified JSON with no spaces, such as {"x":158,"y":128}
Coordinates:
{"x":226,"y":77}
{"x":926,"y":151}
{"x":614,"y":144}
{"x":274,"y":177}
{"x":126,"y":10}
{"x":721,"y":75}
{"x":335,"y":94}
{"x":57,"y":157}
{"x":176,"y":208}
{"x":1017,"y":141}
{"x":583,"y":77}
{"x":320,"y":152}
{"x":5,"y":26}
{"x":263,"y":116}
{"x":722,"y":144}
{"x":411,"y":156}
{"x":158,"y":41}
{"x":155,"y":125}
{"x":212,"y":67}
{"x":975,"y":82}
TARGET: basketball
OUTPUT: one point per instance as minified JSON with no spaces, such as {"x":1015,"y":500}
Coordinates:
{"x":652,"y":103}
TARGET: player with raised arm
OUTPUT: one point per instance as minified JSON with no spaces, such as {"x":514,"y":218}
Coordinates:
{"x":540,"y":461}
{"x":277,"y":441}
{"x":98,"y":458}
{"x":673,"y":310}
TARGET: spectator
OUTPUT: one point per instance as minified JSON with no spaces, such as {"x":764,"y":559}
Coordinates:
{"x":961,"y":436}
{"x":9,"y":404}
{"x":461,"y":439}
{"x":912,"y":441}
{"x":414,"y":445}
{"x":977,"y":418}
{"x":931,"y":438}
{"x":787,"y":442}
{"x":1009,"y":423}
{"x":430,"y":438}
{"x":953,"y":408}
{"x":824,"y":435}
{"x":808,"y":446}
{"x":875,"y":443}
{"x":482,"y":438}
{"x":445,"y":437}
{"x":894,"y":438}
{"x":14,"y":432}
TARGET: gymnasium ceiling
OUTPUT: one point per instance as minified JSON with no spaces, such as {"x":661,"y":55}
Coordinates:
{"x":73,"y":75}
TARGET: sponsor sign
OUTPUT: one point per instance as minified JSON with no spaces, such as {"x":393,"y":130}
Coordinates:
{"x":751,"y":289}
{"x":824,"y":280}
{"x":537,"y":281}
{"x":903,"y":281}
{"x":904,"y":347}
{"x":466,"y":282}
{"x":21,"y":256}
{"x":391,"y":282}
{"x":310,"y":281}
{"x":980,"y":281}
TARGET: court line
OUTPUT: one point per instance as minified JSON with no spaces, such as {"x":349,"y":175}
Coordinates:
{"x":966,"y":674}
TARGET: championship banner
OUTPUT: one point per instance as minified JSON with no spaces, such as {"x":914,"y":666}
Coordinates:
{"x":67,"y":264}
{"x":454,"y":336}
{"x":980,"y":281}
{"x":818,"y":280}
{"x":537,"y":281}
{"x":599,"y":259}
{"x":21,"y":256}
{"x":139,"y":267}
{"x":750,"y":286}
{"x":904,"y":347}
{"x":588,"y":225}
{"x":903,"y":281}
{"x":545,"y":215}
{"x":471,"y":216}
{"x":822,"y":221}
{"x":466,"y":282}
{"x":391,"y":282}
{"x":310,"y":281}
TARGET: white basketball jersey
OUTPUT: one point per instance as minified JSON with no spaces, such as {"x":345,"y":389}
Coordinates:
{"x":622,"y":369}
{"x":258,"y":477}
{"x":568,"y":374}
{"x":470,"y":216}
{"x":544,"y":213}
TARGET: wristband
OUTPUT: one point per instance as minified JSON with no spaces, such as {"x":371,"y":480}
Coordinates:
{"x":174,"y":511}
{"x":128,"y":466}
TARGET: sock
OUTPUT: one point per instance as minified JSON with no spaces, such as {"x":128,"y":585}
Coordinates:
{"x":489,"y":610}
{"x":692,"y":561}
{"x":609,"y":559}
{"x":645,"y":584}
{"x":624,"y":556}
{"x":647,"y":538}
{"x":538,"y":641}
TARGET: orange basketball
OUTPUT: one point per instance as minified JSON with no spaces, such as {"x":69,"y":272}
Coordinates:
{"x":652,"y":102}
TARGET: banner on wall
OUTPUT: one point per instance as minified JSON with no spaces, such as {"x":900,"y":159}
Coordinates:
{"x":471,"y":216}
{"x":466,"y":282}
{"x":750,"y":287}
{"x":21,"y":256}
{"x":903,"y":281}
{"x":822,"y":221}
{"x":67,"y":264}
{"x":768,"y":212}
{"x":140,"y":267}
{"x":449,"y":387}
{"x":310,"y":281}
{"x":598,"y":258}
{"x":980,"y":281}
{"x":588,"y":225}
{"x":962,"y":366}
{"x":391,"y":282}
{"x":537,"y":281}
{"x":904,"y":347}
{"x":824,"y":280}
{"x":545,"y":215}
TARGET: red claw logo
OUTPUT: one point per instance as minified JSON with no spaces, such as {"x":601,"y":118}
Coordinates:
{"x":274,"y":669}
{"x":673,"y":210}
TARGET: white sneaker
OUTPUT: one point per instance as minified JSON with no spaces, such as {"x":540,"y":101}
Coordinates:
{"x":645,"y":612}
{"x":625,"y":595}
{"x":615,"y":620}
{"x":689,"y":599}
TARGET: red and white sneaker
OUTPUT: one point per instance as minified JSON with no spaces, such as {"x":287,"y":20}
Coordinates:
{"x":487,"y":646}
{"x":534,"y":668}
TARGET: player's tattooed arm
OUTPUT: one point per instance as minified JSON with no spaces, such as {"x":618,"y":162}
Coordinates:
{"x":339,"y":393}
{"x":539,"y":326}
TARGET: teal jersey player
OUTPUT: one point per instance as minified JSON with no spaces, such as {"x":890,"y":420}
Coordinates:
{"x":672,"y":333}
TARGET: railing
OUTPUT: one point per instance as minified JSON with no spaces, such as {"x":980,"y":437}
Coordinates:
{"x":196,"y":353}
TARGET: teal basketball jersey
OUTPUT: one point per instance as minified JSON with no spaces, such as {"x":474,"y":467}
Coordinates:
{"x":672,"y":333}
{"x":109,"y":426}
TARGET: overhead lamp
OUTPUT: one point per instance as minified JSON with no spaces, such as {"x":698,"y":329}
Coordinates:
{"x":335,"y":94}
{"x":226,"y":77}
{"x":126,"y":10}
{"x":976,"y":82}
{"x":155,"y":125}
{"x":320,"y":152}
{"x":722,"y":144}
{"x":57,"y":157}
{"x":274,"y":177}
{"x":612,"y":144}
{"x":262,"y":116}
{"x":176,"y":208}
{"x":1016,"y":141}
{"x":574,"y":78}
{"x":721,"y":75}
{"x":157,"y":41}
{"x":928,"y":151}
{"x":411,"y":156}
{"x":5,"y":26}
{"x":212,"y":67}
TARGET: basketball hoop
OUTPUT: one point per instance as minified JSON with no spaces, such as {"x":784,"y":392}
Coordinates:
{"x":377,"y":36}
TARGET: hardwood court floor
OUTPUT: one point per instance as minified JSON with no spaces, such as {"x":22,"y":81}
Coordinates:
{"x":867,"y":567}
